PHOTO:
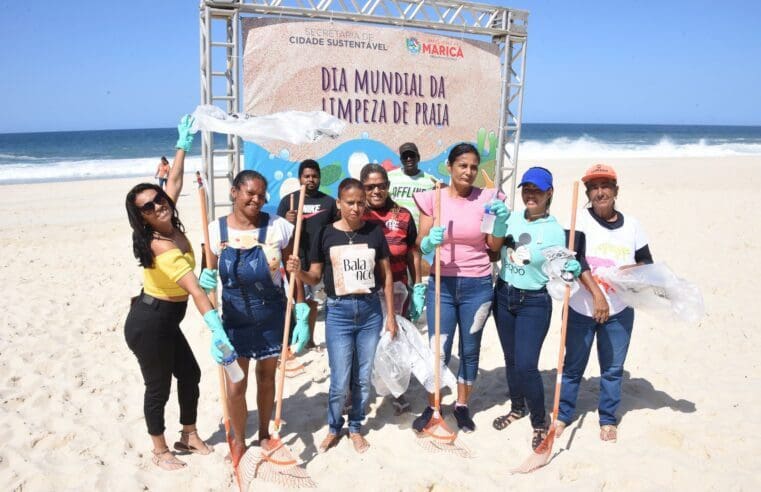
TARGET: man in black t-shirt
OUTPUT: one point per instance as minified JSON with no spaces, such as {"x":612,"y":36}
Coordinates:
{"x":319,"y":209}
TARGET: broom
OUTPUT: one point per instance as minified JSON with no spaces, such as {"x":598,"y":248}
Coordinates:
{"x":436,"y":436}
{"x":541,"y":455}
{"x":277,"y":464}
{"x":220,"y":371}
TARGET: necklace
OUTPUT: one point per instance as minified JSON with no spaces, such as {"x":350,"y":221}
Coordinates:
{"x":351,"y":237}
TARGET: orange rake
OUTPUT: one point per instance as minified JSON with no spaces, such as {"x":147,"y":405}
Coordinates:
{"x":277,"y":464}
{"x":221,"y":375}
{"x":436,"y":436}
{"x":542,"y":454}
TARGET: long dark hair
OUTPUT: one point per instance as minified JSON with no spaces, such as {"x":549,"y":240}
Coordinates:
{"x":142,"y":233}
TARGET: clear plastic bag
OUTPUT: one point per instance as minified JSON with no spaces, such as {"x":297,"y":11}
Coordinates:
{"x":556,"y":258}
{"x":422,"y":356}
{"x":655,"y":288}
{"x":391,"y":367}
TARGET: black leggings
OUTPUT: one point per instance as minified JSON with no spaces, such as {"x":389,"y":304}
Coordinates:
{"x":152,"y":331}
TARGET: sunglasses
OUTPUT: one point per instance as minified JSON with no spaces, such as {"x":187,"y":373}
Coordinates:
{"x":150,"y":207}
{"x":380,"y":186}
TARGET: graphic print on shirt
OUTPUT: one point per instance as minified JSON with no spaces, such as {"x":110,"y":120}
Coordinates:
{"x":272,"y":254}
{"x":518,"y":253}
{"x":310,"y":210}
{"x":353,"y":269}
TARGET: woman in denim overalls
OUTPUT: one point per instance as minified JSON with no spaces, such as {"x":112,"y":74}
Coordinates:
{"x":249,"y":245}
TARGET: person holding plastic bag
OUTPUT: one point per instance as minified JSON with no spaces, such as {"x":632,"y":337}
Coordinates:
{"x":398,"y":226}
{"x":248,"y":246}
{"x":612,"y":240}
{"x":152,"y":329}
{"x":466,"y":282}
{"x":522,"y":305}
{"x":353,"y":255}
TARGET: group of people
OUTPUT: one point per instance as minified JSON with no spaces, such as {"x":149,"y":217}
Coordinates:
{"x":365,"y":246}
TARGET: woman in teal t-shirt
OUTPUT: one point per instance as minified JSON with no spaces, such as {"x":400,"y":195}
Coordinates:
{"x":522,"y":306}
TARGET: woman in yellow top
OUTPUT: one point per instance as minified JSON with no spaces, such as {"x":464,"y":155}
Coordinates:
{"x":152,"y":329}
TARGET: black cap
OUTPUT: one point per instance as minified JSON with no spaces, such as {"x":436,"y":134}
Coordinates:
{"x":408,"y":147}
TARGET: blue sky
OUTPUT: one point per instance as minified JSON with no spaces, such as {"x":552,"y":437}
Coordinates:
{"x":101,"y":65}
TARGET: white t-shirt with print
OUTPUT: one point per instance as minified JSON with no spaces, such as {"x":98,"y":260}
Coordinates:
{"x":606,"y":248}
{"x":279,"y":232}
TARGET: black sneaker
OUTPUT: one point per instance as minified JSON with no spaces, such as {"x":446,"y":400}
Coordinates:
{"x":464,"y":421}
{"x":420,"y":422}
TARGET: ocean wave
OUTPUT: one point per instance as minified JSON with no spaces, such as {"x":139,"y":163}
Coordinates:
{"x":588,"y":147}
{"x":20,"y":172}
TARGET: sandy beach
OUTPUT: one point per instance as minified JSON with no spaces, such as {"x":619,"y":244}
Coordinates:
{"x":71,"y":391}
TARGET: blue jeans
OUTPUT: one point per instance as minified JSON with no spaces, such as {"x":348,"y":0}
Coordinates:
{"x":465,"y":302}
{"x":523,"y":318}
{"x":613,"y":338}
{"x":352,"y":329}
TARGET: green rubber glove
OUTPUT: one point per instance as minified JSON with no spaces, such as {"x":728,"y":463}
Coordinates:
{"x":574,"y":267}
{"x":221,"y":348}
{"x":301,"y":331}
{"x":418,"y":301}
{"x":185,"y":140}
{"x":502,"y":213}
{"x":208,"y":279}
{"x":434,"y":238}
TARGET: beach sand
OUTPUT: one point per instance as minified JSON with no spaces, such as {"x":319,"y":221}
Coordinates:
{"x":71,"y":397}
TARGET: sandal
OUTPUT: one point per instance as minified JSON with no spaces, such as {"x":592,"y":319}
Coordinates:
{"x":330,"y":441}
{"x":183,"y":445}
{"x":609,"y":433}
{"x":360,"y":443}
{"x":503,"y":421}
{"x":401,"y":405}
{"x":540,"y":435}
{"x":168,"y":464}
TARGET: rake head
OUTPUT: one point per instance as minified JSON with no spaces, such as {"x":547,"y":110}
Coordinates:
{"x":437,"y":438}
{"x":276,"y":465}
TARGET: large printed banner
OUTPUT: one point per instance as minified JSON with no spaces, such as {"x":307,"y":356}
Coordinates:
{"x":390,"y":85}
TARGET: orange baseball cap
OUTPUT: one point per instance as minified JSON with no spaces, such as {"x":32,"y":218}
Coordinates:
{"x":599,"y":171}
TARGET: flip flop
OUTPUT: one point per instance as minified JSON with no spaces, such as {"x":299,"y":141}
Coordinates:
{"x":360,"y":443}
{"x":168,"y":464}
{"x":609,"y":433}
{"x":187,"y":448}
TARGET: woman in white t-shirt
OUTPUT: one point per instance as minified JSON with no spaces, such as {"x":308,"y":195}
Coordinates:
{"x":610,"y":239}
{"x":248,"y":247}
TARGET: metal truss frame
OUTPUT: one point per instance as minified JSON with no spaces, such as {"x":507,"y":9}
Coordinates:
{"x":504,"y":26}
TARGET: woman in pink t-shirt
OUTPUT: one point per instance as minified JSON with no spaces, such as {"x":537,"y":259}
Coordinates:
{"x":466,"y":281}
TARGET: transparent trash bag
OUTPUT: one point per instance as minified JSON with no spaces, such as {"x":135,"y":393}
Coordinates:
{"x":422,"y":356}
{"x":400,"y":296}
{"x":655,"y":288}
{"x":391,"y":367}
{"x":556,"y":257}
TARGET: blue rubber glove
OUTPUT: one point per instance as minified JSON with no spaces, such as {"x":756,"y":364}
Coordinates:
{"x":418,"y":301}
{"x":208,"y":279}
{"x":220,"y":344}
{"x":502,"y":213}
{"x":300,"y":335}
{"x":434,"y":238}
{"x":185,"y":140}
{"x":573,"y":267}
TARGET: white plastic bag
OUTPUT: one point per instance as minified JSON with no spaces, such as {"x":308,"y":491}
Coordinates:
{"x":556,"y":258}
{"x":655,"y":288}
{"x":391,"y":367}
{"x":296,"y":127}
{"x":422,"y":357}
{"x":400,"y":296}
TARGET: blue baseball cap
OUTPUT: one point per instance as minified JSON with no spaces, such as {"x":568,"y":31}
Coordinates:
{"x":537,"y":176}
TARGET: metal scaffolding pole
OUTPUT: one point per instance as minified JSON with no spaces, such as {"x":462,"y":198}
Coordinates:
{"x":212,"y":46}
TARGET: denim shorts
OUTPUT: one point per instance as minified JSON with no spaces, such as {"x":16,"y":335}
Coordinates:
{"x":260,"y":336}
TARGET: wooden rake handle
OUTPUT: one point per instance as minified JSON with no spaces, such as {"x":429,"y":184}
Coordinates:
{"x":288,"y":309}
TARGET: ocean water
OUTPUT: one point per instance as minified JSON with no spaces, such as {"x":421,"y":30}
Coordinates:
{"x":59,"y":156}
